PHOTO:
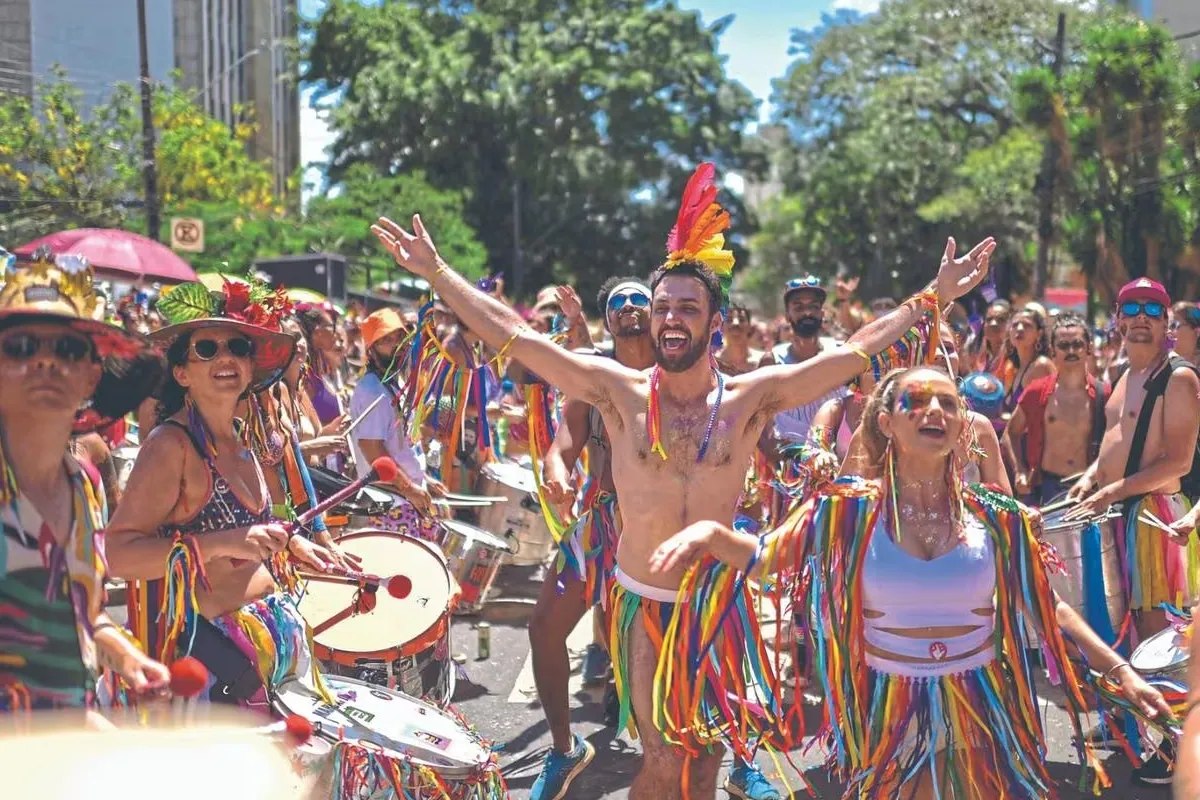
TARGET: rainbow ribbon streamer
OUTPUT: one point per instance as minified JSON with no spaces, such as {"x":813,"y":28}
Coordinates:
{"x":177,"y":617}
{"x":543,"y":412}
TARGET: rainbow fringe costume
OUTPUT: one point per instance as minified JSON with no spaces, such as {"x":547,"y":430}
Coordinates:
{"x":886,"y":730}
{"x":588,"y":551}
{"x":1155,"y":570}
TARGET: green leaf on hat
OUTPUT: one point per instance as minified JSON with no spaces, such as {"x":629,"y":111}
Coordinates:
{"x":185,"y":302}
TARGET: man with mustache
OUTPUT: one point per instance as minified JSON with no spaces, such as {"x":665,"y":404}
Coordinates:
{"x":804,"y":304}
{"x":583,"y":570}
{"x":1060,"y":415}
{"x":681,"y":434}
{"x":1147,"y":451}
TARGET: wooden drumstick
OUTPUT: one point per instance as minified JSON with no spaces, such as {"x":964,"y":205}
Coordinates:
{"x":362,"y":416}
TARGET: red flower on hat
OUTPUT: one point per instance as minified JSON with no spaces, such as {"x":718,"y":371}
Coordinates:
{"x":237,"y":300}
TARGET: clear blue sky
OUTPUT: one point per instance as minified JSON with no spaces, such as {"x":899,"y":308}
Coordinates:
{"x":756,"y":45}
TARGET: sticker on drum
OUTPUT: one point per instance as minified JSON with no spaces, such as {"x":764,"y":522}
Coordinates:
{"x":1164,"y":653}
{"x":401,"y":726}
{"x":414,"y":627}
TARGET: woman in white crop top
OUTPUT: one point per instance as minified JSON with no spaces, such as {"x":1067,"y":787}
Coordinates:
{"x":915,"y":584}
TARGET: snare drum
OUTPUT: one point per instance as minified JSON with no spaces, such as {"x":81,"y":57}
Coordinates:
{"x":1066,"y":537}
{"x":519,"y":521}
{"x":402,"y":643}
{"x":1164,"y":654}
{"x":388,"y":729}
{"x":474,"y":556}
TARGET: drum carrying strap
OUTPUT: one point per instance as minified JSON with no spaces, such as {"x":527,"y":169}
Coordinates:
{"x":237,"y":677}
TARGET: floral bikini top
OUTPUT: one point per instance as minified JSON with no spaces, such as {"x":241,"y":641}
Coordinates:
{"x":223,"y":510}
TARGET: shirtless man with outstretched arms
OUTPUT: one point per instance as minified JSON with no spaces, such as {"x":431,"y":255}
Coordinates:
{"x":661,"y":497}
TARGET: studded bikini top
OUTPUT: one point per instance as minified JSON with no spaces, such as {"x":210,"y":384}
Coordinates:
{"x":223,"y":510}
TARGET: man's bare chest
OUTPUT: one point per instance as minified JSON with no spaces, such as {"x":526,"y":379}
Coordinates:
{"x":1068,"y":410}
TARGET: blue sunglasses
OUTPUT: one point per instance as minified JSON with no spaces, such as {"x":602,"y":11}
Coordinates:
{"x":807,"y":282}
{"x":634,"y":298}
{"x":1150,"y":308}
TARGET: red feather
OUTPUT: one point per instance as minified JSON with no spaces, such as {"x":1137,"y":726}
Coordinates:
{"x":699,"y":194}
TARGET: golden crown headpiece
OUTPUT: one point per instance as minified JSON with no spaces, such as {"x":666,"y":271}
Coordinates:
{"x":54,"y":283}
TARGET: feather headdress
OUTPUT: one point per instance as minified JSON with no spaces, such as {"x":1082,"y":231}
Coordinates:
{"x":698,"y":234}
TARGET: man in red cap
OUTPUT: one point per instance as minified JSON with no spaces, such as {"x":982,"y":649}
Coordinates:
{"x":1146,"y":455}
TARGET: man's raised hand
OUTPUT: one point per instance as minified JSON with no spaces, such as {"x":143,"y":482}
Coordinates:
{"x":957,"y":276}
{"x":414,"y":251}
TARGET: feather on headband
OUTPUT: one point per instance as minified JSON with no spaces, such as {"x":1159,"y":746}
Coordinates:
{"x":698,"y":234}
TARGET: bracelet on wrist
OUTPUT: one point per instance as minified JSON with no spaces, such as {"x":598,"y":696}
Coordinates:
{"x":1108,"y":674}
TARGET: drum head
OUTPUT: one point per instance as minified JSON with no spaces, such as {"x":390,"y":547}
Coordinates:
{"x":394,"y":622}
{"x":471,"y":532}
{"x":512,"y":475}
{"x":397,"y":724}
{"x":1165,"y":651}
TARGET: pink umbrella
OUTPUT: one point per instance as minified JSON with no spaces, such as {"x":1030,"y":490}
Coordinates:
{"x":116,"y":253}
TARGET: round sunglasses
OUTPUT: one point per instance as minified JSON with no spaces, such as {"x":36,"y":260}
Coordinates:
{"x":65,"y":347}
{"x":207,"y":349}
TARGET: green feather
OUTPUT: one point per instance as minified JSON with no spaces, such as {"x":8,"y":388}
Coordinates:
{"x":185,"y":302}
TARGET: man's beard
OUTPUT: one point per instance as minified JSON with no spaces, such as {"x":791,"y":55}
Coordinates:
{"x":683,"y":361}
{"x":806,"y":326}
{"x":626,"y":330}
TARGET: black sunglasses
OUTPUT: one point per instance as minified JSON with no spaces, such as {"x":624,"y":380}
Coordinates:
{"x":207,"y":349}
{"x":1068,"y":347}
{"x":24,"y":346}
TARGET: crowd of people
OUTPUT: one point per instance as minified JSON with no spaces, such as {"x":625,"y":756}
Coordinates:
{"x":870,"y":471}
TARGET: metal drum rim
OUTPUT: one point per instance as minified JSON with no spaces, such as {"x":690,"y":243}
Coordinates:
{"x":476,"y":533}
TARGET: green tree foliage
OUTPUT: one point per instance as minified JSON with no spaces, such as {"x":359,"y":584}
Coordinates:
{"x":58,"y":168}
{"x":338,"y":222}
{"x":1125,"y":118}
{"x":587,"y":117}
{"x":884,"y":113}
{"x":67,"y":169}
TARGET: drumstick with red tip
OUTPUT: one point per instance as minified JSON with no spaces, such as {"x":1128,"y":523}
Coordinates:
{"x":188,"y":678}
{"x":297,"y":729}
{"x":398,"y":586}
{"x":382,"y":469}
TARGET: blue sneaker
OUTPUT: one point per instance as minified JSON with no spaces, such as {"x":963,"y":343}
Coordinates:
{"x":747,"y":782}
{"x":595,"y":665}
{"x":559,"y":769}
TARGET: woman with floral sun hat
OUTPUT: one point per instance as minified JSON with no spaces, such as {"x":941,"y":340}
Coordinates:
{"x":61,"y":373}
{"x":196,"y":507}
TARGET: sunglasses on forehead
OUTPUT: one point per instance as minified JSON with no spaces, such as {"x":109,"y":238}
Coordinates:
{"x":1150,"y":308}
{"x":633,"y":297}
{"x":207,"y":349}
{"x":807,"y":282}
{"x":65,"y":347}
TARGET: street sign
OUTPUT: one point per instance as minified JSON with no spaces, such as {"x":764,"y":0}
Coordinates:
{"x":187,"y":234}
